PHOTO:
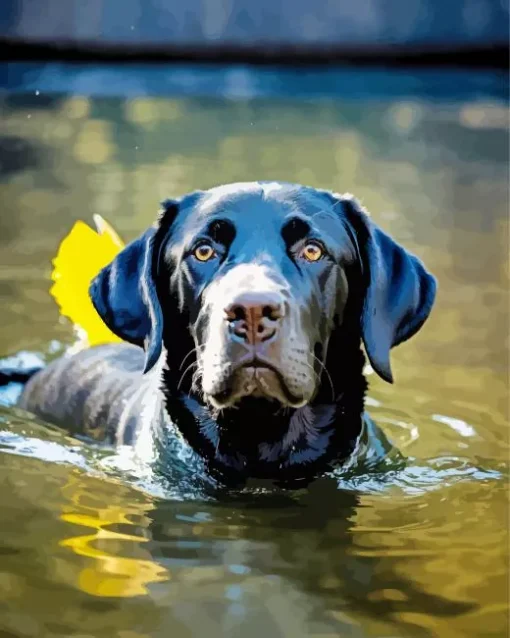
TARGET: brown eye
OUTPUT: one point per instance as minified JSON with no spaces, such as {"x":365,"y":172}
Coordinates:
{"x":312,"y":251}
{"x":204,"y":252}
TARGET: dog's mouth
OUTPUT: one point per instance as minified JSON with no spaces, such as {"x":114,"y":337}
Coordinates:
{"x":258,"y":379}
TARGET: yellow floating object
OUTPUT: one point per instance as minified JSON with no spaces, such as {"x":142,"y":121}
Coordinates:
{"x":81,"y":255}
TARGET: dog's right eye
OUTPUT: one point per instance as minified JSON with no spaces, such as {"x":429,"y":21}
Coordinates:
{"x":204,"y":252}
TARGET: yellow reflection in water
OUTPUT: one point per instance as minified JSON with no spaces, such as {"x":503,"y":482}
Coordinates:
{"x":106,"y":573}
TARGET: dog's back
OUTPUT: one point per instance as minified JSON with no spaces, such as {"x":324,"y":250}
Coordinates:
{"x":99,"y":392}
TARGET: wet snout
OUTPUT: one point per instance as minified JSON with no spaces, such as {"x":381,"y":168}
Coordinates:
{"x":254,"y":317}
{"x":254,"y":343}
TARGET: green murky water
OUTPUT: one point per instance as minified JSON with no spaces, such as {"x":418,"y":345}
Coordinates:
{"x":90,"y":550}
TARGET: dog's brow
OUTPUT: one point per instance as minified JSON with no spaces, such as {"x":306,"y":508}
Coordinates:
{"x":222,"y":231}
{"x":294,"y":229}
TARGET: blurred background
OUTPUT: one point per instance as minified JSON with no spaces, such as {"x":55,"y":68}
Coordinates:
{"x":268,"y":29}
{"x":109,"y":106}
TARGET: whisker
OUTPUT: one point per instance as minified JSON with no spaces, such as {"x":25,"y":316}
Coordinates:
{"x":326,"y":211}
{"x":190,"y":353}
{"x":317,"y":377}
{"x":194,"y":363}
{"x":316,"y":358}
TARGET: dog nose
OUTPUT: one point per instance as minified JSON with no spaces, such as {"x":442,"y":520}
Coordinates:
{"x":255,"y":317}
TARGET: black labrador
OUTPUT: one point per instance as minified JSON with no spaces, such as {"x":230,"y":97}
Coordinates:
{"x":246,"y":306}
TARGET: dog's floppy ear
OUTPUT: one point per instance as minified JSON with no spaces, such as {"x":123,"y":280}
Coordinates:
{"x":124,"y":295}
{"x":399,"y":294}
{"x":124,"y":292}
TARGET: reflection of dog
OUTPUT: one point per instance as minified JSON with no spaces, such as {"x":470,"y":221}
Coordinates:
{"x":326,"y":549}
{"x":246,"y":299}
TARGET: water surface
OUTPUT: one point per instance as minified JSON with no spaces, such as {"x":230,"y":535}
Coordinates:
{"x":91,"y":547}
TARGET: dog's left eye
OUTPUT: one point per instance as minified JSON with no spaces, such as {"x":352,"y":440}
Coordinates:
{"x":204,"y":252}
{"x":312,"y":251}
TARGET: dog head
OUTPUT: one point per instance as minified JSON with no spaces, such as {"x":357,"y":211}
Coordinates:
{"x":261,"y":276}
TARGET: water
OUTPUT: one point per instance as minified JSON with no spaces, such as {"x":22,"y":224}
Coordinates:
{"x":93,"y":546}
